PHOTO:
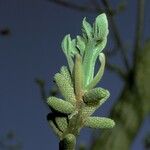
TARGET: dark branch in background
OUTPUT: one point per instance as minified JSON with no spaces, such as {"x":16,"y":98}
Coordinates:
{"x":41,"y":84}
{"x":83,"y":8}
{"x":117,"y":36}
{"x":117,"y":70}
{"x":96,"y":5}
{"x":147,"y":142}
{"x":111,"y":52}
{"x":5,"y":32}
{"x":53,"y":91}
{"x":10,"y":142}
{"x":139,"y":27}
{"x":72,"y":5}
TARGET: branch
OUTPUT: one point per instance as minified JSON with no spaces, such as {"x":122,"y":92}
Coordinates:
{"x":116,"y":33}
{"x":5,"y":31}
{"x":117,"y":70}
{"x":53,"y":91}
{"x":41,"y":84}
{"x":74,"y":6}
{"x":139,"y":27}
{"x":82,"y":8}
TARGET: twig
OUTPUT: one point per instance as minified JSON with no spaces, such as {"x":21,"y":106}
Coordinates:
{"x":139,"y":27}
{"x":96,"y":5}
{"x":116,"y":33}
{"x":117,"y":70}
{"x":41,"y":84}
{"x":72,"y":5}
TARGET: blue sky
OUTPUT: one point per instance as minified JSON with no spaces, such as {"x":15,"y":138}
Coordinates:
{"x":33,"y":50}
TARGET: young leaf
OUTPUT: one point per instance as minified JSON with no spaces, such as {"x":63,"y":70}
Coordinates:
{"x":69,"y":46}
{"x":86,"y":29}
{"x":66,"y":45}
{"x":80,"y":45}
{"x":88,"y":62}
{"x":69,"y":50}
{"x":100,"y":27}
{"x":100,"y":45}
{"x":99,"y":74}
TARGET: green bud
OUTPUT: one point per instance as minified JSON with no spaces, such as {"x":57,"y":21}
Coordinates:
{"x":61,"y":123}
{"x":88,"y":110}
{"x":55,"y":129}
{"x":60,"y":105}
{"x":65,"y":88}
{"x":65,"y":72}
{"x":51,"y":122}
{"x":69,"y":142}
{"x":94,"y":96}
{"x":99,"y":122}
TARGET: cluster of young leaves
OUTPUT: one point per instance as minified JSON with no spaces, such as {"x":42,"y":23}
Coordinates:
{"x":77,"y":84}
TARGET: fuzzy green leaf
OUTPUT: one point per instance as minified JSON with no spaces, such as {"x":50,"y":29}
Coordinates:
{"x":100,"y":27}
{"x":60,"y":105}
{"x":86,"y":29}
{"x":69,"y":50}
{"x":99,"y":74}
{"x":66,"y":45}
{"x":100,"y":45}
{"x":69,"y":46}
{"x":80,"y":45}
{"x":88,"y":62}
{"x":99,"y":122}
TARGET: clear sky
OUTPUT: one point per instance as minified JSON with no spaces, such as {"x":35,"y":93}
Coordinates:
{"x":33,"y":50}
